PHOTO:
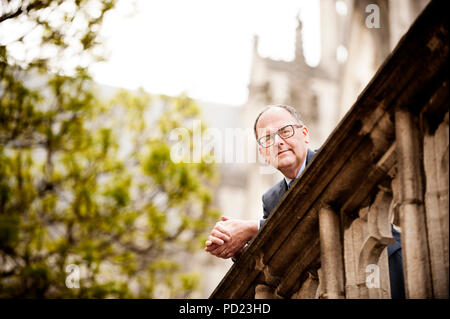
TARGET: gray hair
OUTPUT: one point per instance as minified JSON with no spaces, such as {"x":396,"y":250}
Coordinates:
{"x":288,"y":108}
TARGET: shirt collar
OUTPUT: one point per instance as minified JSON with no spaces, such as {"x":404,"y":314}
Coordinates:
{"x":288,"y":180}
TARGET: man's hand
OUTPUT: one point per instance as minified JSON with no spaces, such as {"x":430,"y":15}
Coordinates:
{"x":229,"y":236}
{"x":219,"y":235}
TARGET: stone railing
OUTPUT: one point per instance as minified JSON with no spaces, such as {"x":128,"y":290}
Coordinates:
{"x":386,"y":162}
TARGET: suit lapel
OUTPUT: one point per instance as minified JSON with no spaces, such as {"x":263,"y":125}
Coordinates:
{"x":309,"y":156}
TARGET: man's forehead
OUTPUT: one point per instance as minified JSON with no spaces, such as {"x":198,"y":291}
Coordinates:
{"x":275,"y":118}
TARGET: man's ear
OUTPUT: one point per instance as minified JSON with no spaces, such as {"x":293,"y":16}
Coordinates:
{"x":263,"y":155}
{"x":260,"y":151}
{"x":305,"y":133}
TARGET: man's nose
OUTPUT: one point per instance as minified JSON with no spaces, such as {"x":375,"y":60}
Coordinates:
{"x":278,"y":140}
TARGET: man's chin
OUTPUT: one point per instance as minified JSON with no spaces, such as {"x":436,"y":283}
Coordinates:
{"x":284,"y":163}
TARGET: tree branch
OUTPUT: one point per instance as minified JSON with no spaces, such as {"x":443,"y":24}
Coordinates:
{"x":34,"y":5}
{"x":11,"y":15}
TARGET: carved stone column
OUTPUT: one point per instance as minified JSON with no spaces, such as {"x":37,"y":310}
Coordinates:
{"x":416,"y":261}
{"x":331,"y":254}
{"x":265,"y":292}
{"x":436,"y":203}
{"x":308,"y":290}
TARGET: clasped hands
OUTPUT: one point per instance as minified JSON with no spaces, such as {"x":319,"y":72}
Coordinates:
{"x":229,"y":236}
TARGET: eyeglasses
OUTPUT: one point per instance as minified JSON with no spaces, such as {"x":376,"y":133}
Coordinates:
{"x":284,"y":132}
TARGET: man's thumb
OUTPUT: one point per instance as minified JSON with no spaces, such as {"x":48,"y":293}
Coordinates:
{"x":224,"y":218}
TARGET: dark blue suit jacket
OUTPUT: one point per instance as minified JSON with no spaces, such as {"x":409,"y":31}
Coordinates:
{"x":272,"y":197}
{"x":396,"y":267}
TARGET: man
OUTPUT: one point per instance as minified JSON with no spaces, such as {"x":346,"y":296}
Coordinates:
{"x":283,"y":143}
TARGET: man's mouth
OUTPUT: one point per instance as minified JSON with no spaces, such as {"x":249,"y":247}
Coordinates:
{"x":282,"y":151}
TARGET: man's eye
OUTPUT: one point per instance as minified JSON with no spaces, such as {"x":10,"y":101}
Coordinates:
{"x":267,"y":138}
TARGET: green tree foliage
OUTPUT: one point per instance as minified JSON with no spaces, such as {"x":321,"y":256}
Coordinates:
{"x":85,"y":181}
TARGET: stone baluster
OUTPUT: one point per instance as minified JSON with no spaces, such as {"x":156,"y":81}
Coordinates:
{"x":331,"y":254}
{"x":416,"y":262}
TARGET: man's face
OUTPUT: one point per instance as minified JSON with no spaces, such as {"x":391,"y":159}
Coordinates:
{"x":287,"y":155}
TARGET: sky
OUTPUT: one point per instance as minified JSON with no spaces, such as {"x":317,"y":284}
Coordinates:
{"x":201,"y":47}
